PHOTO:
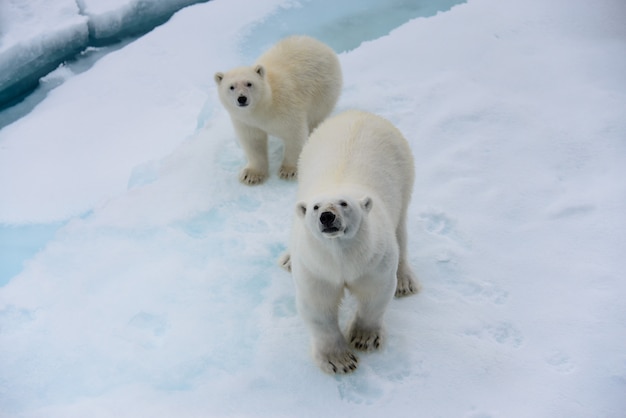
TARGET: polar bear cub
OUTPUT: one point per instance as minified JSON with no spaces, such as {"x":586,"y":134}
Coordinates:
{"x":289,"y":90}
{"x":355,"y":181}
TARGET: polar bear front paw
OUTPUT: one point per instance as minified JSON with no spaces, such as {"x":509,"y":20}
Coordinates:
{"x":342,"y":362}
{"x":365,"y":340}
{"x":288,"y":172}
{"x":407,"y":284}
{"x":251,"y":177}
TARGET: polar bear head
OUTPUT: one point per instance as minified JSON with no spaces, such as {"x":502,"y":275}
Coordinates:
{"x":334,"y":217}
{"x":242,"y":87}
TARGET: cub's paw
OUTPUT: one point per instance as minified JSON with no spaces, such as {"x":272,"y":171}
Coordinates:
{"x":288,"y":172}
{"x":285,"y":261}
{"x":365,"y":340}
{"x":341,"y":362}
{"x":251,"y":177}
{"x":407,"y":284}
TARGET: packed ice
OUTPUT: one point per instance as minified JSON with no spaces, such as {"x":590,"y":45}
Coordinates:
{"x":39,"y":35}
{"x":140,"y":278}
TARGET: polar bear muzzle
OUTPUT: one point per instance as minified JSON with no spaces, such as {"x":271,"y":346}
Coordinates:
{"x":329,"y":223}
{"x":242,"y":101}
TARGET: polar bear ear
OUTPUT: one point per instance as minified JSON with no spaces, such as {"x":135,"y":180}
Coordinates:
{"x":366,"y":204}
{"x":260,"y":70}
{"x":301,"y":209}
{"x":218,"y":77}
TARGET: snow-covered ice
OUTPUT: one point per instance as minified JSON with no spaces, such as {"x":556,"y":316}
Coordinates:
{"x":155,"y":289}
{"x":110,"y":20}
{"x":38,"y":35}
{"x":34,"y":38}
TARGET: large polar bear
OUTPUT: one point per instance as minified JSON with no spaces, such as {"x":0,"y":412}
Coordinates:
{"x":355,"y":180}
{"x":289,"y":90}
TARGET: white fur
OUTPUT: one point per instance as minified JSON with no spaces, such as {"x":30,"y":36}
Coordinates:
{"x":355,"y":180}
{"x":289,"y":90}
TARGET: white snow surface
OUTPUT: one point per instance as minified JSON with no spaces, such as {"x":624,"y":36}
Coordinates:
{"x":35,"y":35}
{"x":108,"y":18}
{"x":38,"y":35}
{"x":160,"y":296}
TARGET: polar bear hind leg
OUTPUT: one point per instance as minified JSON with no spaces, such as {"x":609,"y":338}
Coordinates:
{"x":407,"y":281}
{"x":292,"y":147}
{"x":284,"y":260}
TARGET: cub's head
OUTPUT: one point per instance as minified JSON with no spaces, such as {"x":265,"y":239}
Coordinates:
{"x":241,"y":88}
{"x":334,"y":217}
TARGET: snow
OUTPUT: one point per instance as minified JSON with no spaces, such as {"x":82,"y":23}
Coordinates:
{"x":34,"y":38}
{"x":38,"y":35}
{"x":349,"y":24}
{"x":159,"y":294}
{"x":114,"y":19}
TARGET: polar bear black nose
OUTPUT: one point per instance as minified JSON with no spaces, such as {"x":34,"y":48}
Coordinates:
{"x":242,"y":100}
{"x":327,"y":218}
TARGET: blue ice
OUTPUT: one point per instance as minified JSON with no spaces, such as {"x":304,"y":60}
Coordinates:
{"x":19,"y":243}
{"x":342,"y":25}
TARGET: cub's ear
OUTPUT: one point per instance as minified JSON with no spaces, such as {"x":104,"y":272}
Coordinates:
{"x":366,"y":204}
{"x":260,"y":70}
{"x":301,"y":209}
{"x":218,"y":77}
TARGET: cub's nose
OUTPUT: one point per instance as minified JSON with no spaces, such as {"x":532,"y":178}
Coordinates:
{"x":327,"y":218}
{"x":242,"y":100}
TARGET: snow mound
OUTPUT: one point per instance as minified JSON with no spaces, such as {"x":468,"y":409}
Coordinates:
{"x":35,"y":37}
{"x":111,"y":20}
{"x":38,"y":35}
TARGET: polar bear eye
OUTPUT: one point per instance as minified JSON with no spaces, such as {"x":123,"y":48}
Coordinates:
{"x":343,"y":203}
{"x":316,"y":207}
{"x":249,"y":84}
{"x":232,"y":87}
